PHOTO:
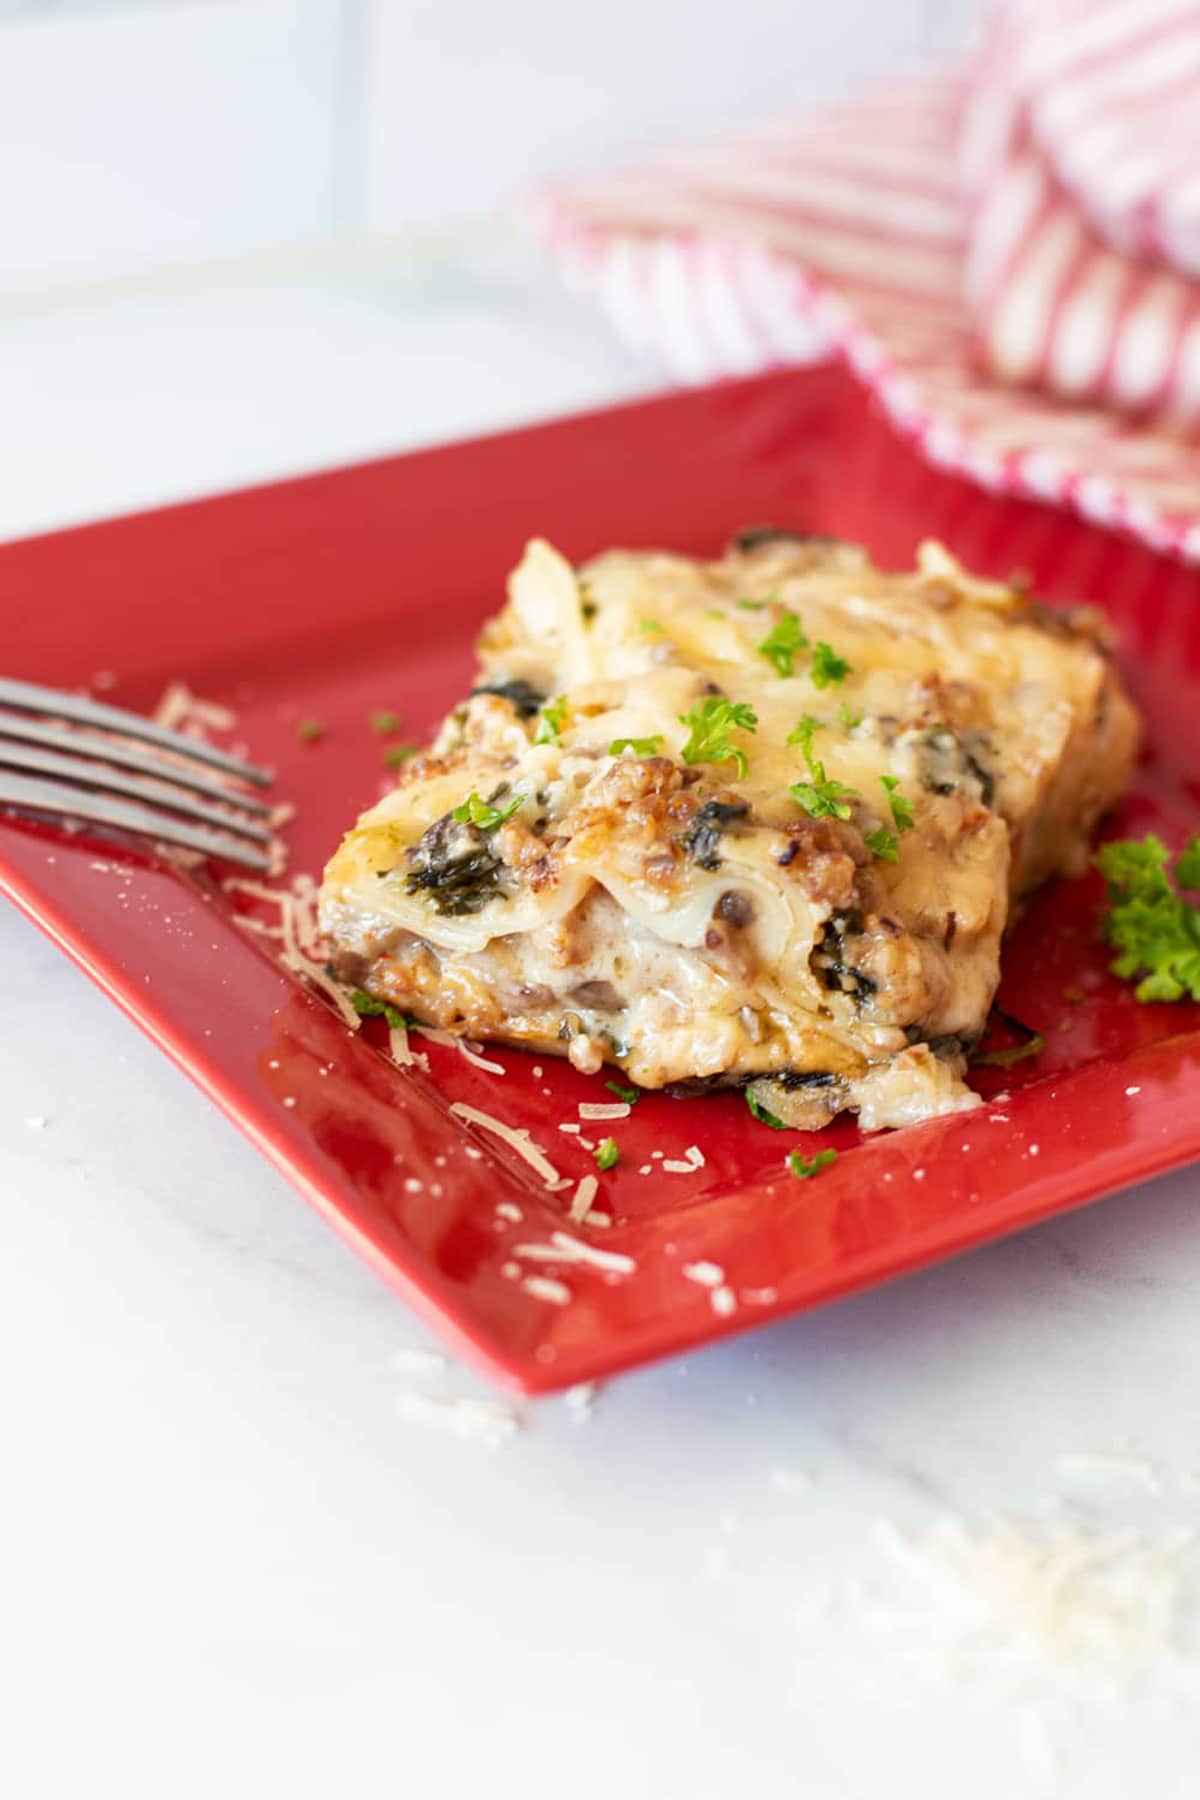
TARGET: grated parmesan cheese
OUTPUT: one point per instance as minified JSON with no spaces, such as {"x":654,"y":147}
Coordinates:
{"x":724,"y":1301}
{"x":705,"y":1274}
{"x":545,"y":1287}
{"x":567,"y":1249}
{"x":673,"y":1167}
{"x":507,"y":1209}
{"x":1034,"y":1598}
{"x":595,"y":1110}
{"x":517,"y":1139}
{"x":581,"y":1204}
{"x":485,"y":1420}
{"x":180,"y":710}
{"x":453,"y":1041}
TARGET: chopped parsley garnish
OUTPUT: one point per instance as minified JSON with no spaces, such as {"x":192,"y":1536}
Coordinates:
{"x":783,"y":642}
{"x":651,"y":627}
{"x":1156,"y":930}
{"x":802,"y":733}
{"x":551,"y":721}
{"x":849,"y":717}
{"x":805,"y":1167}
{"x":398,"y":754}
{"x":827,"y":669}
{"x":647,"y":746}
{"x":385,"y":724}
{"x":479,"y":813}
{"x":753,"y":605}
{"x":310,"y":731}
{"x":630,"y":1095}
{"x":762,"y":1114}
{"x":367,"y":1007}
{"x":821,"y":796}
{"x":902,"y":812}
{"x":710,"y":724}
{"x":606,"y":1153}
{"x":884,"y":843}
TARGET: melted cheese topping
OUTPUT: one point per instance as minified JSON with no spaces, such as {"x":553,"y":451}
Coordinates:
{"x":689,"y":918}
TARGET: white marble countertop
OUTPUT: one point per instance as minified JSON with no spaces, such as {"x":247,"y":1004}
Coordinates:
{"x":234,"y":1564}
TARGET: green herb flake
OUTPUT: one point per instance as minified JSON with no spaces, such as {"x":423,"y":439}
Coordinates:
{"x":484,"y":817}
{"x":783,"y":643}
{"x":385,"y":724}
{"x":902,"y":812}
{"x":821,"y":796}
{"x":1156,"y":930}
{"x":630,"y":1095}
{"x":710,"y":724}
{"x":827,"y":669}
{"x":367,"y":1007}
{"x":761,"y":1113}
{"x":849,"y":718}
{"x":396,"y":755}
{"x":606,"y":1153}
{"x":310,"y":731}
{"x":753,"y":605}
{"x":884,"y":844}
{"x":647,"y":746}
{"x":551,"y":721}
{"x":651,"y":627}
{"x":805,"y":1167}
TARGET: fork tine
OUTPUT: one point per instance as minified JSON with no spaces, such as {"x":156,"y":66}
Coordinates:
{"x":40,"y":797}
{"x":25,"y":696}
{"x":28,"y":760}
{"x":71,"y":742}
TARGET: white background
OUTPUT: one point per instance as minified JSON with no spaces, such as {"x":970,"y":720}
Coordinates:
{"x":189,"y":129}
{"x":229,"y":1564}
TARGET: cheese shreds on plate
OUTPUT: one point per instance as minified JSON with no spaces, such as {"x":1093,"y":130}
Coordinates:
{"x":565,"y":1249}
{"x":517,"y":1139}
{"x":581,"y":1203}
{"x":761,"y":818}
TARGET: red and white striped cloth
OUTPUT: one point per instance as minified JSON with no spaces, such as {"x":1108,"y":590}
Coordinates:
{"x":1008,"y":253}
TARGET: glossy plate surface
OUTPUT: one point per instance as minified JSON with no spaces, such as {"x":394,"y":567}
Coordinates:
{"x":335,"y":596}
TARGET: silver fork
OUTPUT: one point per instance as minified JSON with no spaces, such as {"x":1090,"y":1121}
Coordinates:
{"x":78,"y":759}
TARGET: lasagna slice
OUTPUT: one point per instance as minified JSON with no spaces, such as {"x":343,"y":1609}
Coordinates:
{"x":760,"y":819}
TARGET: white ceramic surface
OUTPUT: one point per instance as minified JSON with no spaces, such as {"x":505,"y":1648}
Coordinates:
{"x":231,"y":1561}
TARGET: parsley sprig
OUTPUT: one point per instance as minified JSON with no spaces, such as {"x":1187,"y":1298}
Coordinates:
{"x":882,"y":842}
{"x":647,"y":746}
{"x":710,"y":724}
{"x":821,"y":796}
{"x":551,"y":720}
{"x":763,"y":1114}
{"x":1156,"y":930}
{"x":630,"y":1095}
{"x":483,"y":815}
{"x":902,"y":812}
{"x":367,"y":1007}
{"x":606,"y":1154}
{"x":783,"y":643}
{"x":827,"y":668}
{"x":805,"y":1167}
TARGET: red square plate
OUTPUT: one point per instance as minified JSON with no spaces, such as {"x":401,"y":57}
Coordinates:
{"x":337,"y":595}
